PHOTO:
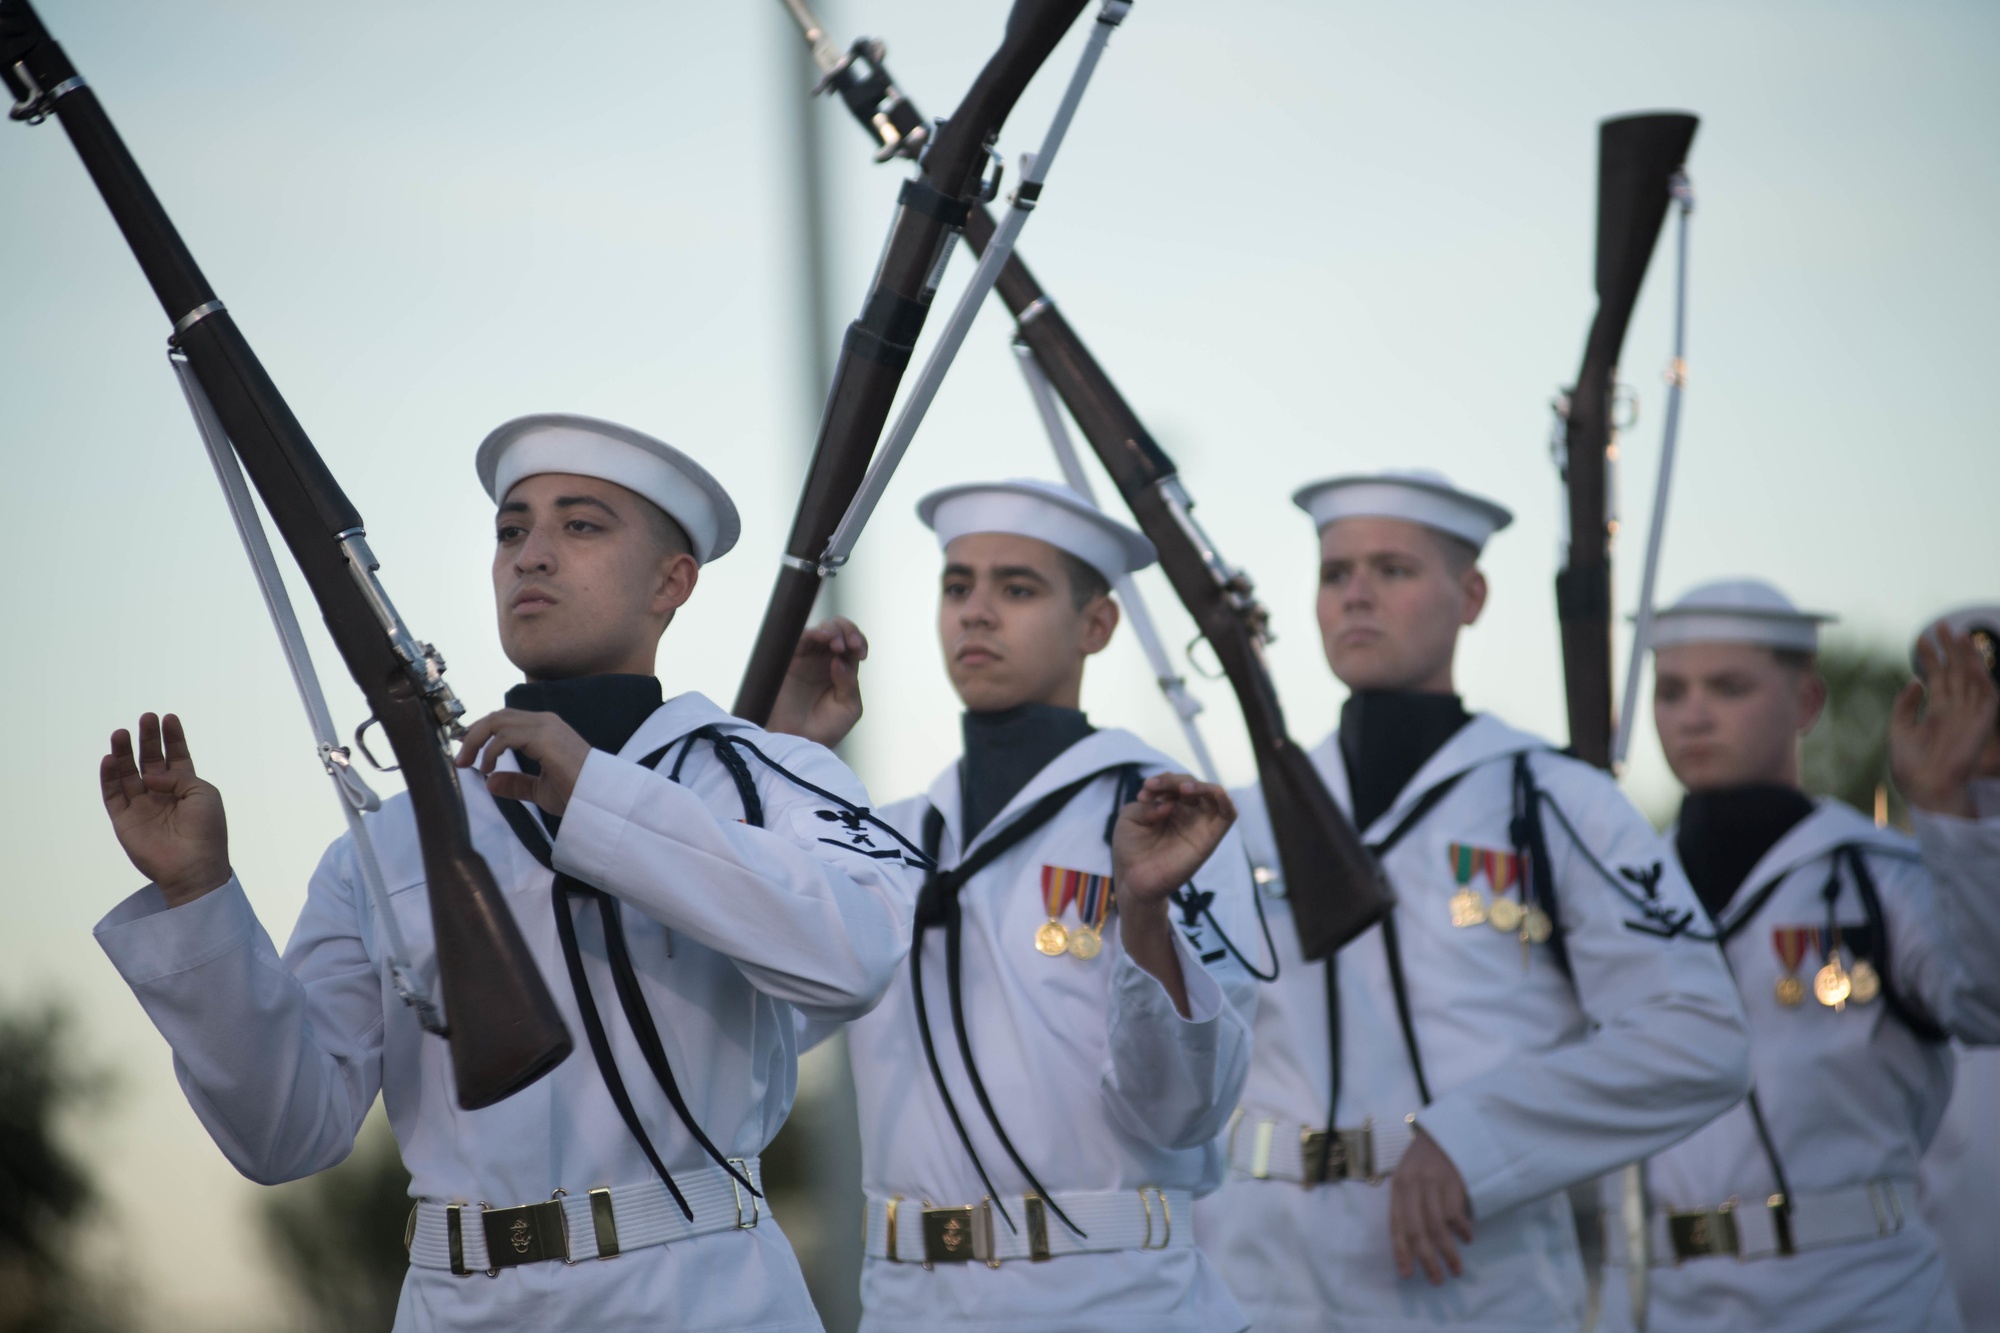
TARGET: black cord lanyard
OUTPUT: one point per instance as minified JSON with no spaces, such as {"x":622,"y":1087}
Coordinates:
{"x":1393,"y":949}
{"x":938,"y":905}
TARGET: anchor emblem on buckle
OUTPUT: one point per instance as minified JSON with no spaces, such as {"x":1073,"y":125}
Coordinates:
{"x":521,"y":1235}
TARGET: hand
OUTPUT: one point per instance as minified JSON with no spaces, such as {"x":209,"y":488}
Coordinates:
{"x":542,"y":737}
{"x":821,"y":696}
{"x":1427,"y":1207}
{"x":169,"y":821}
{"x":1935,"y":757}
{"x":1165,"y":834}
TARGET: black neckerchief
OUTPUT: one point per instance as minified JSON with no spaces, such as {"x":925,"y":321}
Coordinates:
{"x":604,"y":710}
{"x":1386,"y":736}
{"x":1004,"y":750}
{"x":1725,"y":832}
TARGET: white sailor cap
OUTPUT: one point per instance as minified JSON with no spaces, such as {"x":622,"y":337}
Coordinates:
{"x":1042,"y":510}
{"x":1415,"y":495}
{"x":561,"y":442}
{"x":1980,"y":623}
{"x":1738,"y":611}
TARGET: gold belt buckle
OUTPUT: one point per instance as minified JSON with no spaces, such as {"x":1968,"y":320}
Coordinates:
{"x":1338,"y":1154}
{"x":958,"y":1235}
{"x":1704,"y":1233}
{"x":525,"y":1234}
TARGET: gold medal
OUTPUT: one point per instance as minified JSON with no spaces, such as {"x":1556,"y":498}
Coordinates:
{"x":1831,"y":985}
{"x":1052,"y":939}
{"x":1536,"y":926}
{"x":1505,"y":915}
{"x":1467,"y":908}
{"x":1791,"y":992}
{"x":1864,"y":982}
{"x":1085,"y":943}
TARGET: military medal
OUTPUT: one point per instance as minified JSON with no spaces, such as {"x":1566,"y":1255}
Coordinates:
{"x":1505,"y":915}
{"x":1790,"y":942}
{"x":1536,"y":927}
{"x":1832,"y":984}
{"x":1863,"y":981}
{"x":1058,"y":887}
{"x":1467,"y":907}
{"x":1093,"y":900}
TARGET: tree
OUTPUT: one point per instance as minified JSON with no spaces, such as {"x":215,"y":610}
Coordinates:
{"x":1847,"y":755}
{"x":46,"y":1193}
{"x":338,"y":1236}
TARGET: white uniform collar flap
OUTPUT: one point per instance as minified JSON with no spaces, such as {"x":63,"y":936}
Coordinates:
{"x":1479,"y":741}
{"x":1833,"y":823}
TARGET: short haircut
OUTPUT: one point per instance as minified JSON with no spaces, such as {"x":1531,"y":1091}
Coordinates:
{"x":1459,"y":554}
{"x":670,"y":536}
{"x":1086,"y":582}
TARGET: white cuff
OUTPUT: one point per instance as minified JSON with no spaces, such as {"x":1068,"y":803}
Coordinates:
{"x":146,"y":940}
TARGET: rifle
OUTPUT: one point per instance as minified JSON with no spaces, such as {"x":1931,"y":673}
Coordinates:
{"x":1638,"y":158}
{"x":876,"y":348}
{"x":505,"y":1030}
{"x":1334,"y":887}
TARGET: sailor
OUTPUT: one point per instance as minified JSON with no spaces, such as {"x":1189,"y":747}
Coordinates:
{"x":1855,"y":960}
{"x":1538,"y":1008}
{"x":1048,"y":1079}
{"x":1958,"y":1185}
{"x":728,"y":863}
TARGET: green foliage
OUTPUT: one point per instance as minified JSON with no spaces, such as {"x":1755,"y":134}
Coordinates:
{"x":46,"y":1193}
{"x":338,"y":1236}
{"x":1847,"y":754}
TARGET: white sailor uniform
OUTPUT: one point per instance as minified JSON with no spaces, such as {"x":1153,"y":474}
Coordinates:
{"x":1958,"y":1185}
{"x":734,"y":930}
{"x":1113,"y":1100}
{"x":1849,"y":1097}
{"x":1536,"y":1081}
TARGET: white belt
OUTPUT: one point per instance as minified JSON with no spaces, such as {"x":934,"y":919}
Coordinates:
{"x":597,"y":1224}
{"x":1758,"y":1231}
{"x":1265,"y":1149}
{"x":916,"y":1231}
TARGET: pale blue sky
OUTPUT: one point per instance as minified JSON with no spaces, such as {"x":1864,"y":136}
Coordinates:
{"x":1305,"y":238}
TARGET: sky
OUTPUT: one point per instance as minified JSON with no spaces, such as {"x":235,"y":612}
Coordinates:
{"x":1306,"y":238}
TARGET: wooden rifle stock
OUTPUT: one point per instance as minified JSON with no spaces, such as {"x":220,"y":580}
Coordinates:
{"x":1332,"y":883}
{"x":505,"y":1030}
{"x":1335,"y":887}
{"x":876,"y":348}
{"x":1638,"y":157}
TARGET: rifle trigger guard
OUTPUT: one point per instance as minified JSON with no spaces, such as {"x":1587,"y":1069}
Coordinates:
{"x":996,"y":167}
{"x":362,"y":746}
{"x":1196,"y":665}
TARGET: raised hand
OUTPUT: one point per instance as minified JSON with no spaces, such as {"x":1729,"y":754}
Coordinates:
{"x":1428,"y":1209}
{"x":167,"y":819}
{"x":543,"y":737}
{"x":1163,"y":836}
{"x":821,"y":697}
{"x":1935,"y":755}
